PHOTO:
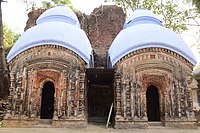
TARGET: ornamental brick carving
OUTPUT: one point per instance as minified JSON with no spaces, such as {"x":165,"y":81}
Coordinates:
{"x":161,"y":68}
{"x":32,"y":69}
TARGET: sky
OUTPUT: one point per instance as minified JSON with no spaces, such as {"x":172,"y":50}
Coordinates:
{"x":15,"y":16}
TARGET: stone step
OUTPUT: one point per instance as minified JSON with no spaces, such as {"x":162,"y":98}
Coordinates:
{"x":97,"y":119}
{"x":155,"y":124}
{"x":43,"y":126}
{"x":45,"y":121}
{"x":156,"y":127}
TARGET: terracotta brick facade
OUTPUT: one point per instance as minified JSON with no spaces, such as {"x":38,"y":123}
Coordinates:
{"x":169,"y":73}
{"x":31,"y":70}
{"x":129,"y":80}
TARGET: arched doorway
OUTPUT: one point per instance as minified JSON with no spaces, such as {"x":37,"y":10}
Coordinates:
{"x":153,"y":105}
{"x":47,"y":102}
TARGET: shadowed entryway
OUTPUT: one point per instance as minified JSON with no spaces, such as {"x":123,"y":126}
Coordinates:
{"x":47,"y":103}
{"x":153,"y":106}
{"x":100,"y":94}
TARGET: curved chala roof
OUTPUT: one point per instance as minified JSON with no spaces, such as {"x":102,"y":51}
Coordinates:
{"x":144,"y":29}
{"x":58,"y":26}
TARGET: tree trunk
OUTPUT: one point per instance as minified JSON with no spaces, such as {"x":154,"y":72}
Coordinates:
{"x":4,"y":80}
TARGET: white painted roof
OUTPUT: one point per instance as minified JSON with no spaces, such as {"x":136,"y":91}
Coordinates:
{"x":145,"y":31}
{"x":55,"y":31}
{"x":141,"y":12}
{"x":59,"y":13}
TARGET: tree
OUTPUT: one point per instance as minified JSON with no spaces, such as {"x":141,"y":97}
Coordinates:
{"x":173,"y":15}
{"x":29,"y":4}
{"x":9,"y":38}
{"x":4,"y":79}
{"x":197,"y":4}
{"x":16,"y":36}
{"x":47,"y":4}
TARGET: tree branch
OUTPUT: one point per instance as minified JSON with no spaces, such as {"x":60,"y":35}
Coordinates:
{"x":195,"y":21}
{"x":193,"y":24}
{"x":163,"y":11}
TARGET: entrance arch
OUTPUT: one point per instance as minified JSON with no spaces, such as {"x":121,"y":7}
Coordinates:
{"x":153,"y":104}
{"x":47,"y":102}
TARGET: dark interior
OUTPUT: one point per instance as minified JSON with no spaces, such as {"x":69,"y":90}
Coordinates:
{"x":47,"y":103}
{"x":153,"y":107}
{"x":100,"y":94}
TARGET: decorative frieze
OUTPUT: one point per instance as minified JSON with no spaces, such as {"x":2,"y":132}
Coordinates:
{"x":31,"y":69}
{"x":155,"y":53}
{"x":158,"y":67}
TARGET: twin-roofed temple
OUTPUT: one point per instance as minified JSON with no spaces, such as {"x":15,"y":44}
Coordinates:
{"x":148,"y":78}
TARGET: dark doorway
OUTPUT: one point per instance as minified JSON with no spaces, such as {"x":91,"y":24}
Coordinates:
{"x":100,"y":94}
{"x":47,"y":103}
{"x":153,"y":106}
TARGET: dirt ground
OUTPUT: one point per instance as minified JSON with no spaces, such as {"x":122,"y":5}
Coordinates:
{"x":97,"y":129}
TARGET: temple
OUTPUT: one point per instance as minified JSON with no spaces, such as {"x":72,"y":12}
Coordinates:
{"x":148,"y":77}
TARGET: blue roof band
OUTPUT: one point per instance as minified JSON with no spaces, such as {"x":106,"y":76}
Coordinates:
{"x":60,"y":13}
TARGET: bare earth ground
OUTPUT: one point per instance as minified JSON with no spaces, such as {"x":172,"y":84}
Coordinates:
{"x":97,"y":129}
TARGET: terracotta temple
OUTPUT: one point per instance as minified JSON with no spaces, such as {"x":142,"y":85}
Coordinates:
{"x":148,"y":76}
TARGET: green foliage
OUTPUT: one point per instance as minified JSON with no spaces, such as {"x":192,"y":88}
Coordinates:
{"x":16,"y":36}
{"x":28,"y":4}
{"x":9,"y":37}
{"x":197,"y":4}
{"x":197,"y":44}
{"x":125,"y":3}
{"x":174,"y":16}
{"x":64,"y":2}
{"x":47,"y":4}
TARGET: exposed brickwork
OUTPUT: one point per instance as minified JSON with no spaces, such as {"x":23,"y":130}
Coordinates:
{"x":169,"y":72}
{"x":197,"y":110}
{"x":3,"y":105}
{"x":32,"y":17}
{"x":136,"y":72}
{"x":30,"y":70}
{"x":101,"y":27}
